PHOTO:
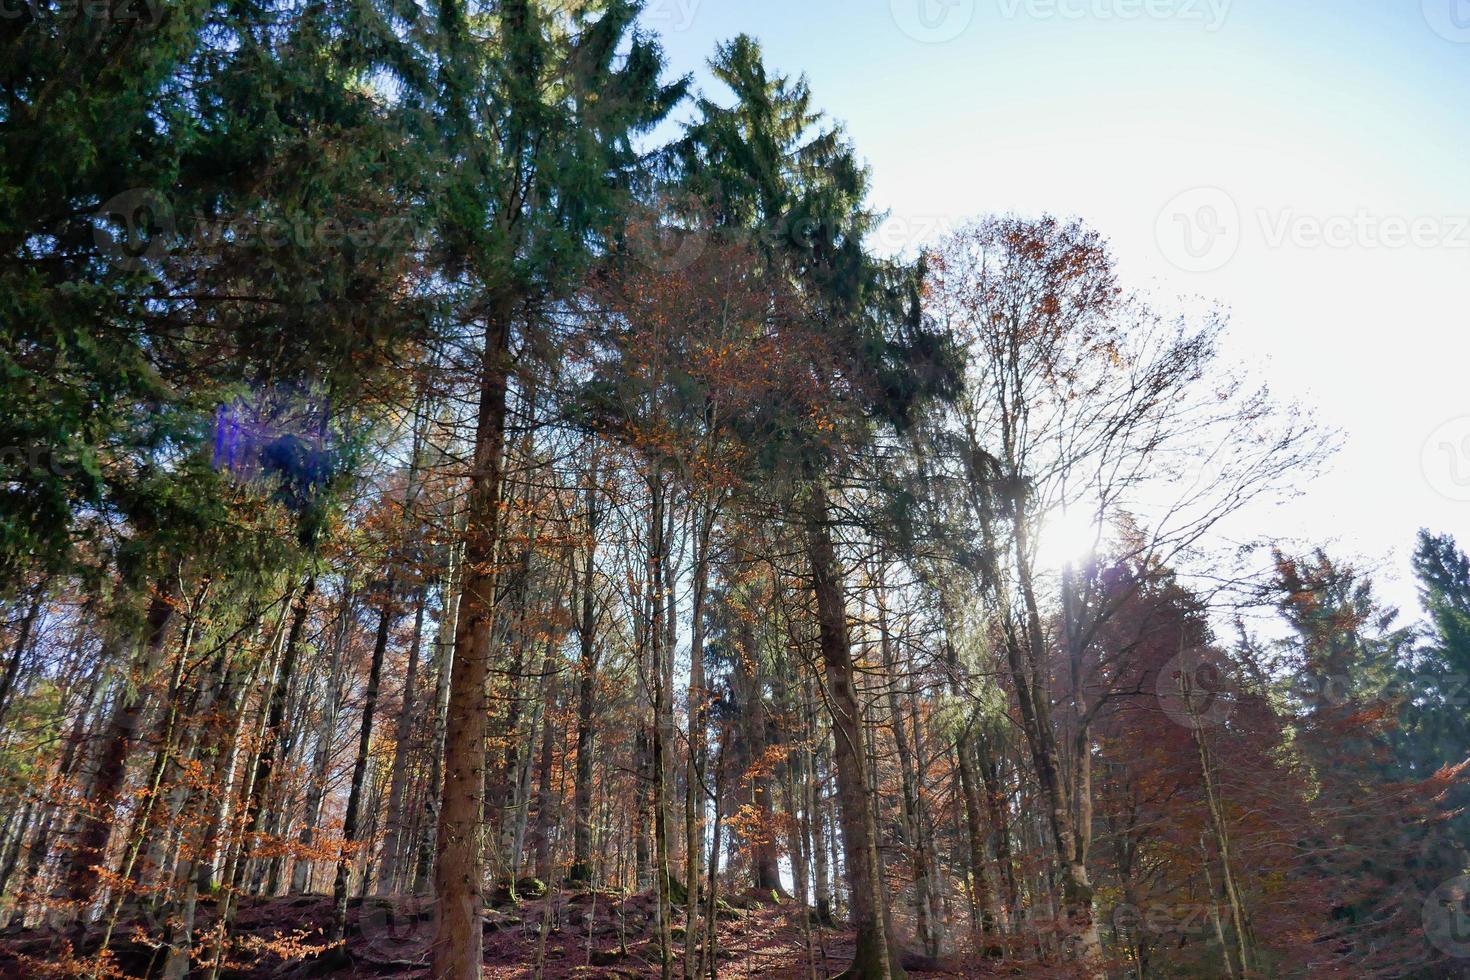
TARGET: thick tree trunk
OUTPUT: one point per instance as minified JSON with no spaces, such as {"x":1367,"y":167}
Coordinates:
{"x":816,"y":806}
{"x":1000,"y":825}
{"x":876,"y":956}
{"x":458,"y":875}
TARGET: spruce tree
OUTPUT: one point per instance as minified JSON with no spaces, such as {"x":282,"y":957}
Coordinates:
{"x":537,"y":107}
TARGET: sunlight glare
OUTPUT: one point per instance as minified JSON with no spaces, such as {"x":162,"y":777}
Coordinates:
{"x":1068,"y":536}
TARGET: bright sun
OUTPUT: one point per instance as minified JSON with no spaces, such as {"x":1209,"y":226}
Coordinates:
{"x":1068,"y":536}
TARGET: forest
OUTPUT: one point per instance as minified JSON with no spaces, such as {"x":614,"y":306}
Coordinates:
{"x":474,"y":503}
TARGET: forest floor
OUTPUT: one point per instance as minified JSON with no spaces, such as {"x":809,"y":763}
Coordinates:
{"x":591,"y":935}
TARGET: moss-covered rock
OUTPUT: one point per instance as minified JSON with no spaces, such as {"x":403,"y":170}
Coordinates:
{"x":531,"y":888}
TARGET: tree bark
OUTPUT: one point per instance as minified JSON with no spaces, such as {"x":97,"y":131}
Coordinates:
{"x":694,"y":795}
{"x":322,"y":754}
{"x":581,"y":869}
{"x":389,"y":874}
{"x":876,"y":956}
{"x":350,"y":821}
{"x":656,"y":569}
{"x":458,"y":876}
{"x":22,"y":644}
{"x":83,"y":880}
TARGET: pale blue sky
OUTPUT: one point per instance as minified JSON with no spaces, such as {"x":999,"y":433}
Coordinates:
{"x":1322,"y":132}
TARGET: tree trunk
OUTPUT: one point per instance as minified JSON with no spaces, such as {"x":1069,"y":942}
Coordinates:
{"x":816,"y":807}
{"x":694,"y":792}
{"x":271,"y":751}
{"x":316,"y":786}
{"x":192,"y":871}
{"x":545,"y":816}
{"x":350,"y":821}
{"x":765,"y":862}
{"x":986,"y":913}
{"x":22,"y":643}
{"x":458,"y":927}
{"x":581,"y":869}
{"x":389,"y":874}
{"x":83,"y":879}
{"x":656,"y":568}
{"x":443,"y":671}
{"x":876,"y":956}
{"x":914,"y":831}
